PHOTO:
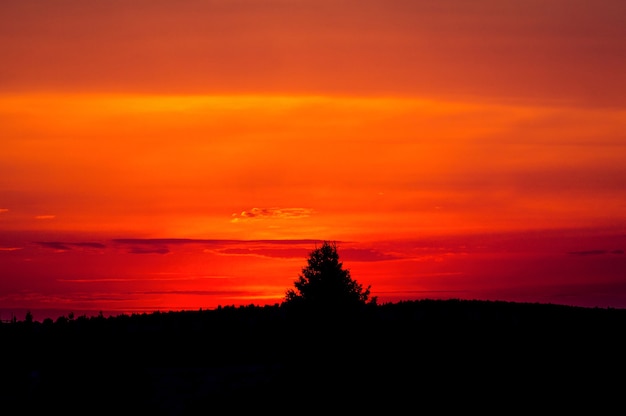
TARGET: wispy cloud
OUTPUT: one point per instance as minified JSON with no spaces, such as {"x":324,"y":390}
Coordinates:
{"x":349,"y":254}
{"x":89,"y":245}
{"x":164,"y":277}
{"x":241,"y":247}
{"x":55,"y":245}
{"x":272,"y":213}
{"x":266,"y":252}
{"x":285,"y":249}
{"x":45,"y":217}
{"x":144,"y":250}
{"x":65,"y":246}
{"x":366,"y":255}
{"x":265,"y":248}
{"x":168,"y":241}
{"x":595,"y":252}
{"x":3,"y":210}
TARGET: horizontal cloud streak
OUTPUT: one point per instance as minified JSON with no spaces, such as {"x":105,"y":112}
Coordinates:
{"x":227,"y":246}
{"x":66,"y":246}
{"x":10,"y":248}
{"x":595,"y":252}
{"x":209,"y":242}
{"x":177,"y":278}
{"x":367,"y":255}
{"x":273,"y":213}
{"x":153,"y":250}
{"x":272,"y":253}
{"x":55,"y":245}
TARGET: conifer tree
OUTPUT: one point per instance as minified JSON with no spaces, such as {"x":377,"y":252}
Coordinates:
{"x":324,"y":283}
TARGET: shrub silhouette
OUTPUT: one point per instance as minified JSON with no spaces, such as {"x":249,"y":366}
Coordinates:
{"x":325,"y":284}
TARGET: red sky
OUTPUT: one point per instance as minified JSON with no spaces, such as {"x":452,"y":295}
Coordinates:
{"x":163,"y":157}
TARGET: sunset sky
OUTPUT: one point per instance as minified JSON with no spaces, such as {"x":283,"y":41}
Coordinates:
{"x":160,"y":155}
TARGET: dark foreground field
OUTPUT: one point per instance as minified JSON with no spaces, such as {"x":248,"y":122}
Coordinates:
{"x":408,"y":357}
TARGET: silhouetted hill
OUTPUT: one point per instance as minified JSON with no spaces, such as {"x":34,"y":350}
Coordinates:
{"x":446,"y":353}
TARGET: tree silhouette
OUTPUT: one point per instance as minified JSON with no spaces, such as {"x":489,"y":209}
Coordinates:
{"x":325,"y":284}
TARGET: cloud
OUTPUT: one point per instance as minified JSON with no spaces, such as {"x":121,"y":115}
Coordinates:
{"x":284,"y":253}
{"x":64,"y":246}
{"x":3,"y":210}
{"x":161,"y":276}
{"x":198,"y":292}
{"x":273,"y":213}
{"x":595,"y":252}
{"x":89,"y":245}
{"x":296,"y":248}
{"x":142,"y":250}
{"x":285,"y":249}
{"x":366,"y":255}
{"x":252,"y":247}
{"x":45,"y":217}
{"x":167,"y":241}
{"x":55,"y":245}
{"x":349,"y":254}
{"x":108,"y":280}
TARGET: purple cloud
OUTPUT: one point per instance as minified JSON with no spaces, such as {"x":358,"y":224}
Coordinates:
{"x":65,"y":246}
{"x":366,"y":255}
{"x":595,"y":252}
{"x":156,"y":250}
{"x":54,"y":245}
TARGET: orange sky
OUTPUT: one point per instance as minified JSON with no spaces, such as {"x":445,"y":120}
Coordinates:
{"x":161,"y":157}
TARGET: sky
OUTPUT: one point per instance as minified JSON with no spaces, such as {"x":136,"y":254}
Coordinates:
{"x":160,"y":155}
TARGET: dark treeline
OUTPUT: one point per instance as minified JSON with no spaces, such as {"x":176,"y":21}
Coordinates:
{"x":445,"y":352}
